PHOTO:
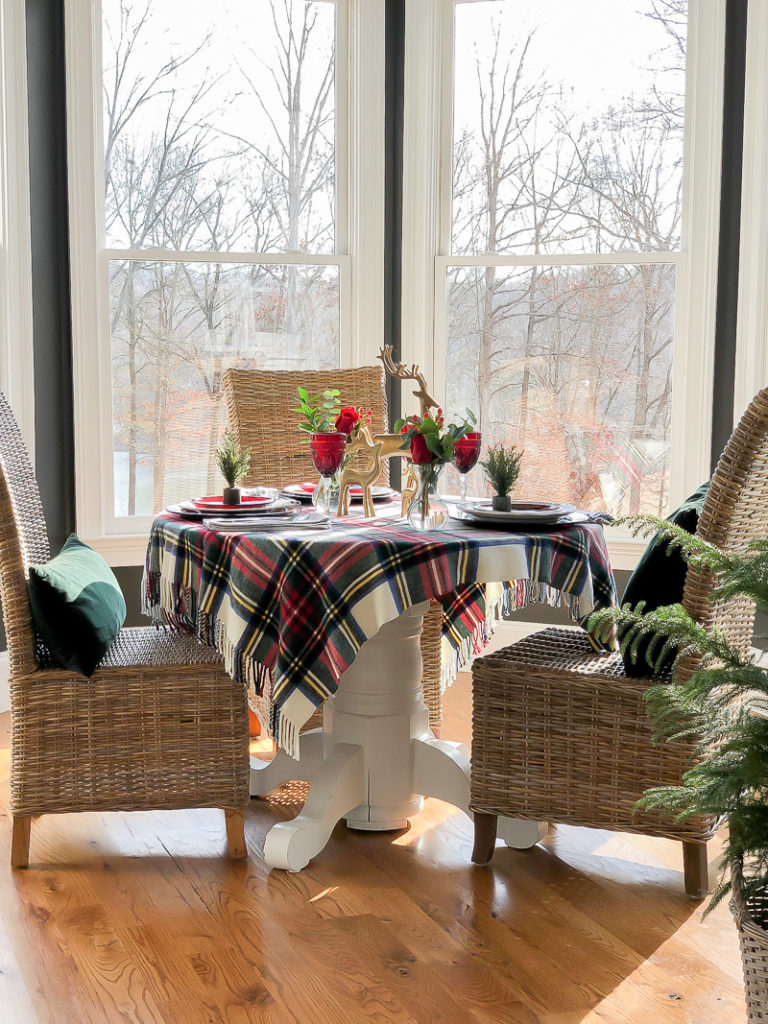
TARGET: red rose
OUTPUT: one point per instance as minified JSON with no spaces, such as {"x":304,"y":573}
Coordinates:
{"x":420,"y":454}
{"x":346,"y":419}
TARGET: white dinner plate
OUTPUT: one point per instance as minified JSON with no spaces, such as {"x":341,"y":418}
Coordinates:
{"x":521,"y":511}
{"x":522,"y":525}
{"x":355,"y":493}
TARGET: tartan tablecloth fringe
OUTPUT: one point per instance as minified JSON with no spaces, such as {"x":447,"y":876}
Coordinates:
{"x":459,"y":651}
{"x":289,"y":614}
{"x":174,"y":607}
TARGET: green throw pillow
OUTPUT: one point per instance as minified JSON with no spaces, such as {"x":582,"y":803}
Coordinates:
{"x":77,"y":606}
{"x":659,"y":579}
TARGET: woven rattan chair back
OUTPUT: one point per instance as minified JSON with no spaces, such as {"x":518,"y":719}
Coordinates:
{"x":23,"y":541}
{"x":260,"y":404}
{"x":735,"y":512}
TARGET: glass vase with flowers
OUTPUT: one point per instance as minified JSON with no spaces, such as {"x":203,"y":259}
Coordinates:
{"x":331,"y":430}
{"x":326,"y":444}
{"x":432,"y":446}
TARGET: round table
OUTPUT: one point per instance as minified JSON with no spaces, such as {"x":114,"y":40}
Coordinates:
{"x":375,"y":758}
{"x":339,"y":615}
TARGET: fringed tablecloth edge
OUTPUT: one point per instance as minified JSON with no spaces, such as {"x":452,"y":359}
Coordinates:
{"x":516,"y":594}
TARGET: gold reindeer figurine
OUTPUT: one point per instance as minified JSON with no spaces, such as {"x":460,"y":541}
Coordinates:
{"x":365,"y":445}
{"x":384,"y":446}
{"x":401,"y":372}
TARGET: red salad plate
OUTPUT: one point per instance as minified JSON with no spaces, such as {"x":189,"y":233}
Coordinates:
{"x":215,"y":503}
{"x":303,"y":492}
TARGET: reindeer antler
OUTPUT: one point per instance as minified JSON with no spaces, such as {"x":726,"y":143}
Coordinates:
{"x":400,"y":372}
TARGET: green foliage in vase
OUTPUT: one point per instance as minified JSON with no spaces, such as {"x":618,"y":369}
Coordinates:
{"x":722,"y":707}
{"x":232,"y":461}
{"x":502,"y":467}
{"x":319,"y":413}
{"x":436,"y":440}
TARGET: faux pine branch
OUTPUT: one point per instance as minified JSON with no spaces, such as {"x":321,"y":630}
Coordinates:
{"x":696,"y":551}
{"x":233,"y":462}
{"x":502,"y":467}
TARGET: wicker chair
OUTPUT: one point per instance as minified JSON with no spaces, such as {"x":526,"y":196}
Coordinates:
{"x":159,"y":725}
{"x":258,"y":405}
{"x":562,"y":734}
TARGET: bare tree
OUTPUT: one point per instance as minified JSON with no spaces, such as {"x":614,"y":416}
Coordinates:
{"x":588,"y":347}
{"x":177,"y":180}
{"x":524,"y":171}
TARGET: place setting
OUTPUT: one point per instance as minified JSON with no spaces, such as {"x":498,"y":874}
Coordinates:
{"x":528,"y":514}
{"x":246,"y":510}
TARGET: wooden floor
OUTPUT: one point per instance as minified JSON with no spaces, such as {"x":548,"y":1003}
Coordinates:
{"x":139,"y":917}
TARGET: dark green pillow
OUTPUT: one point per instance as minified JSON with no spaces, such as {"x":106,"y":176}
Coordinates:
{"x":659,"y":579}
{"x":77,"y":606}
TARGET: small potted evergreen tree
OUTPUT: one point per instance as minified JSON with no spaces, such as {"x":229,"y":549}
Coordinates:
{"x":502,"y":467}
{"x":233,"y":462}
{"x":723,"y":706}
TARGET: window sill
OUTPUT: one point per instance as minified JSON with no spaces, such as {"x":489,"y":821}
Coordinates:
{"x":128,"y":549}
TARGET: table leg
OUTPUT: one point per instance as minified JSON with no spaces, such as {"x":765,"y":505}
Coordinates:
{"x":338,"y":786}
{"x":267,"y":775}
{"x":441,"y":769}
{"x":380,"y":757}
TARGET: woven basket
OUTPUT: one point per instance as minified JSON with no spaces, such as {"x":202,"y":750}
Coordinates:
{"x":751,"y":917}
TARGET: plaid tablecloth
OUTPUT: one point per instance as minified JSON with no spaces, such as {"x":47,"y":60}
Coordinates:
{"x":289,"y":612}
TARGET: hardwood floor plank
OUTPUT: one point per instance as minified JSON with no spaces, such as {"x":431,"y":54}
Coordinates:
{"x":142,"y":917}
{"x":15,"y":1000}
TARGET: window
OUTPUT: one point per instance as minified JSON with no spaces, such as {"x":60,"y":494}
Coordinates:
{"x":220,"y":223}
{"x":574,"y":237}
{"x":16,"y":361}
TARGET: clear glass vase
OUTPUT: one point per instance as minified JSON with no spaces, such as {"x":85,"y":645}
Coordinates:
{"x":325,"y":497}
{"x":428,"y":511}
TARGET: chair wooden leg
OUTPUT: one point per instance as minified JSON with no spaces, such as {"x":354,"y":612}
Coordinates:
{"x":22,"y":830}
{"x":695,"y":870}
{"x":485,"y":838}
{"x":235,"y":820}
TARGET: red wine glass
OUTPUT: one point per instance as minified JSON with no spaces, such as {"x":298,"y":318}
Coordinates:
{"x":466,"y":452}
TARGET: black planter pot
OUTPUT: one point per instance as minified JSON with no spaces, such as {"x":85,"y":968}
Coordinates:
{"x":501,"y":503}
{"x":231,"y":496}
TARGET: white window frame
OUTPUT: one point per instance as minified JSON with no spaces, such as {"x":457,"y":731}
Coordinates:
{"x":16,"y":354}
{"x":751,"y":371}
{"x":427,"y":227}
{"x":359,"y":83}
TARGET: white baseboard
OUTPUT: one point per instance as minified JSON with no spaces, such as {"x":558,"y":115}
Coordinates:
{"x":5,"y":696}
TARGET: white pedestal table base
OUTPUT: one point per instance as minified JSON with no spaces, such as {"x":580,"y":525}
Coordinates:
{"x":375,"y":759}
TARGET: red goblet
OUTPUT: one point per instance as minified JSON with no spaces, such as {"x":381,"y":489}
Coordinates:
{"x":327,"y":455}
{"x":466,"y":452}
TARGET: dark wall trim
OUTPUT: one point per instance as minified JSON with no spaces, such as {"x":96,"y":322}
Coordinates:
{"x":730,"y":221}
{"x":52,"y":335}
{"x":393,"y":181}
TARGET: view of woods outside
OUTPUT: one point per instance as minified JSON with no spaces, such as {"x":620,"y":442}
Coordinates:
{"x":219,"y":140}
{"x":568,"y":145}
